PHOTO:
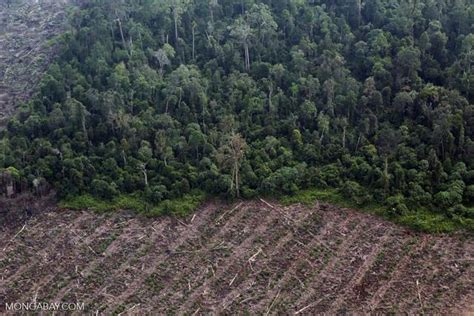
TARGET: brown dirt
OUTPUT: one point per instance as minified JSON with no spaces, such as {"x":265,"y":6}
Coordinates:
{"x":247,"y":258}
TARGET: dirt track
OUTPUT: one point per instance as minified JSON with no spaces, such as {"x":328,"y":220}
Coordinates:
{"x":250,"y":257}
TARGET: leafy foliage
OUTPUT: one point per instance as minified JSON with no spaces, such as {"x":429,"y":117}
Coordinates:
{"x":178,"y":207}
{"x":159,"y":98}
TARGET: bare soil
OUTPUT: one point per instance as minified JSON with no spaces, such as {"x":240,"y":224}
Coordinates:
{"x":247,"y":258}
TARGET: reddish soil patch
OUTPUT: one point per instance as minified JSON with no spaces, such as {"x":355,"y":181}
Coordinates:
{"x":247,"y":258}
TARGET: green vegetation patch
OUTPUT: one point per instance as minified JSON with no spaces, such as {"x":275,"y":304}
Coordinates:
{"x":328,"y":195}
{"x":419,"y":219}
{"x":310,"y":196}
{"x":179,"y":207}
{"x":135,"y":202}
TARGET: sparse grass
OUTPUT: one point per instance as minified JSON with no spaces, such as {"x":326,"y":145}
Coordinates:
{"x":120,"y":309}
{"x":310,"y":196}
{"x":429,"y":222}
{"x":178,"y":207}
{"x":106,"y":243}
{"x":333,"y":196}
{"x":153,"y":283}
{"x":418,"y":219}
{"x":380,"y":258}
{"x":135,"y":202}
{"x":132,"y":202}
{"x":82,"y":202}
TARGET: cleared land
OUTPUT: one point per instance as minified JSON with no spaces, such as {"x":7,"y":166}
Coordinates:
{"x":25,"y":28}
{"x":251,"y":257}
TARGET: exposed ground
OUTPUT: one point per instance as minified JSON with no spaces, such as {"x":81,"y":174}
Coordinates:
{"x":247,"y":258}
{"x":26,"y":26}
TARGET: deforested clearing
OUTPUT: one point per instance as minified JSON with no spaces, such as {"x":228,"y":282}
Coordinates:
{"x":255,"y":257}
{"x":27,"y":29}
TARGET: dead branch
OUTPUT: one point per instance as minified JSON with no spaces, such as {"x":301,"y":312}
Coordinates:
{"x":266,"y":203}
{"x":19,"y":232}
{"x":419,"y":296}
{"x":226,"y":305}
{"x":273,"y":302}
{"x":128,"y":310}
{"x":246,"y":300}
{"x":303,"y":309}
{"x":92,"y":250}
{"x":289,"y":219}
{"x":233,"y":279}
{"x":252,"y":258}
{"x":308,"y":306}
{"x":182,"y":223}
{"x":228,"y":212}
{"x":299,"y":280}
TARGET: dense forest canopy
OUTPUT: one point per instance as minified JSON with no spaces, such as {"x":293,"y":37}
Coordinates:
{"x":243,"y":98}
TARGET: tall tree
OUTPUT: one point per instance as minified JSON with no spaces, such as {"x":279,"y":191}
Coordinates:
{"x":243,"y":33}
{"x":230,"y":155}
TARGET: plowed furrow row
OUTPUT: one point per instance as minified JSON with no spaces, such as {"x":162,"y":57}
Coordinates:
{"x":24,"y":239}
{"x":82,"y":241}
{"x":289,"y":266}
{"x":275,"y":257}
{"x":68,"y":268}
{"x":117,"y":282}
{"x":322,"y":285}
{"x":376,"y":304}
{"x":259,"y":280}
{"x":186,"y":258}
{"x":436,"y":266}
{"x":461,"y":260}
{"x":250,"y":258}
{"x":242,"y":252}
{"x":379,"y":273}
{"x":189,"y":266}
{"x":159,"y":254}
{"x":40,"y":256}
{"x":366,"y":257}
{"x":92,"y":279}
{"x":413,"y":296}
